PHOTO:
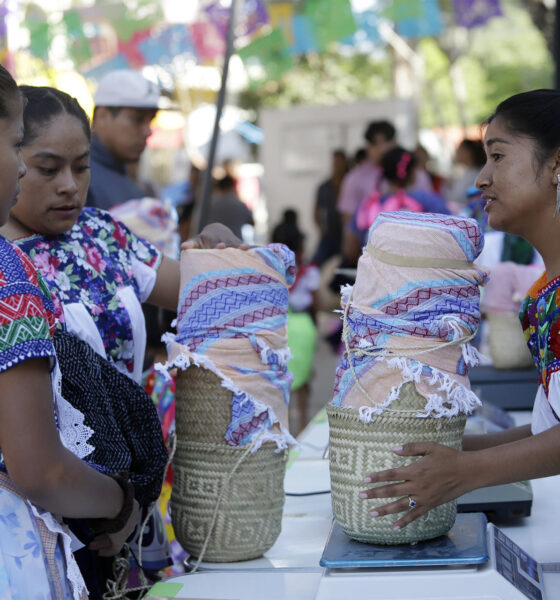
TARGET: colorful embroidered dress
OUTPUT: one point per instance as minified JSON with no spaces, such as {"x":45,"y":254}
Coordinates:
{"x":540,"y":320}
{"x":98,"y":273}
{"x":34,"y":546}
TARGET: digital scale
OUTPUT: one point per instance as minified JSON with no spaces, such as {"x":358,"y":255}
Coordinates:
{"x":473,"y":556}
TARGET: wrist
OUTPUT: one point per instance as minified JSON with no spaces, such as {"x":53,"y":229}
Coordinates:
{"x":116,"y":523}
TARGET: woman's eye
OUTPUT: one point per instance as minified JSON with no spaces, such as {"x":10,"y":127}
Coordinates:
{"x":496,"y":156}
{"x":46,"y":170}
{"x":82,"y":168}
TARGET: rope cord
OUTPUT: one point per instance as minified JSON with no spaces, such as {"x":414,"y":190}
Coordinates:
{"x":117,"y":587}
{"x":374,"y":351}
{"x":219,"y":501}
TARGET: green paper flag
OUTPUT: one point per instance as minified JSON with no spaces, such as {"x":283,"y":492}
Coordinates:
{"x":270,"y":52}
{"x":143,"y":15}
{"x":332,"y":20}
{"x":78,"y":43}
{"x":41,"y":38}
{"x":403,"y":9}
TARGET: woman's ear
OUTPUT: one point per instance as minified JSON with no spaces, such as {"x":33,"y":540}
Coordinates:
{"x":556,"y":167}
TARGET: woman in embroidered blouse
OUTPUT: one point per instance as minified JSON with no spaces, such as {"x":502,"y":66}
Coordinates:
{"x":98,"y":271}
{"x":521,"y":188}
{"x":39,"y":466}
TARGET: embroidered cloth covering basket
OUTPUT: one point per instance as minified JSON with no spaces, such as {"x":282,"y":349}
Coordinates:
{"x":249,"y":505}
{"x":407,"y":324}
{"x":233,"y":388}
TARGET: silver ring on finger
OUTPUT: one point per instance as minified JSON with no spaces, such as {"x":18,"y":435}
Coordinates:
{"x":411,"y":502}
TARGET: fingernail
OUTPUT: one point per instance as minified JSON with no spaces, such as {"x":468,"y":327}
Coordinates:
{"x":367,"y":479}
{"x":362,"y":495}
{"x":396,"y":448}
{"x":396,"y":527}
{"x":373,"y":513}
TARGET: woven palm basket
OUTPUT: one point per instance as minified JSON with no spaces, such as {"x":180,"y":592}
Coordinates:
{"x":506,"y":342}
{"x":358,"y":449}
{"x":249,"y":514}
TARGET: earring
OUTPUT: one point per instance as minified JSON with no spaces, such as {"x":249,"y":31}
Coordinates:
{"x":557,"y":208}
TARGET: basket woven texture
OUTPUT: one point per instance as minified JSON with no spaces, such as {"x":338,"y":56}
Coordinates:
{"x":506,"y":343}
{"x":358,"y":448}
{"x":249,"y":517}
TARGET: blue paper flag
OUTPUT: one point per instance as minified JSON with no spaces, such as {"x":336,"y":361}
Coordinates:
{"x":303,"y":32}
{"x":427,"y":25}
{"x":116,"y":62}
{"x":164,"y":46}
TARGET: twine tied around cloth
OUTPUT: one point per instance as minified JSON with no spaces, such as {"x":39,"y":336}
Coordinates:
{"x":381,"y":351}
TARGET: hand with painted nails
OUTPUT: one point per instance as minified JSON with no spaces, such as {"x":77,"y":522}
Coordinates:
{"x":437,"y":477}
{"x":212,"y":236}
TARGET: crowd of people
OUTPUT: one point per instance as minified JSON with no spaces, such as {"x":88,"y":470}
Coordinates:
{"x":82,"y":455}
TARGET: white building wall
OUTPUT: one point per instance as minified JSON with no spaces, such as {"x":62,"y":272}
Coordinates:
{"x":297,"y":147}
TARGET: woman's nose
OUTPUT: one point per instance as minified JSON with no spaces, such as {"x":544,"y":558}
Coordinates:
{"x":483,"y":178}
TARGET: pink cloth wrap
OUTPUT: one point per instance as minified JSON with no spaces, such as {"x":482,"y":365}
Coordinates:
{"x":411,"y":314}
{"x":232,"y":319}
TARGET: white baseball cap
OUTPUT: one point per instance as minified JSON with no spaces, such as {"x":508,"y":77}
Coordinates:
{"x":128,"y":89}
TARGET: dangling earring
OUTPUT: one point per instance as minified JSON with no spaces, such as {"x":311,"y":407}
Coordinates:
{"x":557,"y":208}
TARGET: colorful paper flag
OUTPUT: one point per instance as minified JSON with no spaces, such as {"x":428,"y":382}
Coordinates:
{"x":367,"y":22}
{"x":40,"y":36}
{"x":428,"y":24}
{"x":163,"y":47}
{"x":333,"y":20}
{"x":207,"y":40}
{"x":78,"y":44}
{"x":280,"y":15}
{"x":398,"y":10}
{"x":140,"y":16}
{"x":270,"y":52}
{"x":131,"y":51}
{"x":474,"y":13}
{"x":116,"y":62}
{"x":251,"y":16}
{"x":304,"y":35}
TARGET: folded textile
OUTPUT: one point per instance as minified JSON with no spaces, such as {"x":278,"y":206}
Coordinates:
{"x":127,"y":433}
{"x":411,"y":314}
{"x":231,"y":319}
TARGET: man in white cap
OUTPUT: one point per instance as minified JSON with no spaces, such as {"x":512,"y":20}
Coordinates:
{"x":125,"y":105}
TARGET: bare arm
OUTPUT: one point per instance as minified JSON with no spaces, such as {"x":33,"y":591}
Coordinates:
{"x":488,"y":440}
{"x":37,"y":462}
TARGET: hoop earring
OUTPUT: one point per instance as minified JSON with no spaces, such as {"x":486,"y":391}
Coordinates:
{"x":557,"y":207}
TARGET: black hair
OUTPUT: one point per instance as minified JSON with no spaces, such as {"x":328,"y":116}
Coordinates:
{"x":398,"y":166}
{"x":227,"y":182}
{"x":476,"y":150}
{"x":380,"y":128}
{"x":8,"y":93}
{"x":533,"y":114}
{"x":360,"y":155}
{"x":44,"y":104}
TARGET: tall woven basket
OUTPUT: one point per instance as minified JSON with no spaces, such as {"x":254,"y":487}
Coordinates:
{"x":249,"y":514}
{"x":357,"y":449}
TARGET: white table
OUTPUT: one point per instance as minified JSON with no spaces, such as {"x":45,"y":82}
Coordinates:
{"x":290,"y":569}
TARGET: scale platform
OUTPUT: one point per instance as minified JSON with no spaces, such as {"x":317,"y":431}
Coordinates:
{"x":464,"y":544}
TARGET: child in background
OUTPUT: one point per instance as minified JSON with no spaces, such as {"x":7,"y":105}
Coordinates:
{"x":302,"y":330}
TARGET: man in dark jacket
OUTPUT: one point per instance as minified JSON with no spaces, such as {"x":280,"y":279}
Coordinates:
{"x":125,"y":105}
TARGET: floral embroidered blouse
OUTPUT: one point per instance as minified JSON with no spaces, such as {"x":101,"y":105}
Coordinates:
{"x":540,"y":320}
{"x":101,"y":266}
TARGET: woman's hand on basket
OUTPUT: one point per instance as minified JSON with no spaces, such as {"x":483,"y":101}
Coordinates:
{"x":437,"y":477}
{"x":212,"y":236}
